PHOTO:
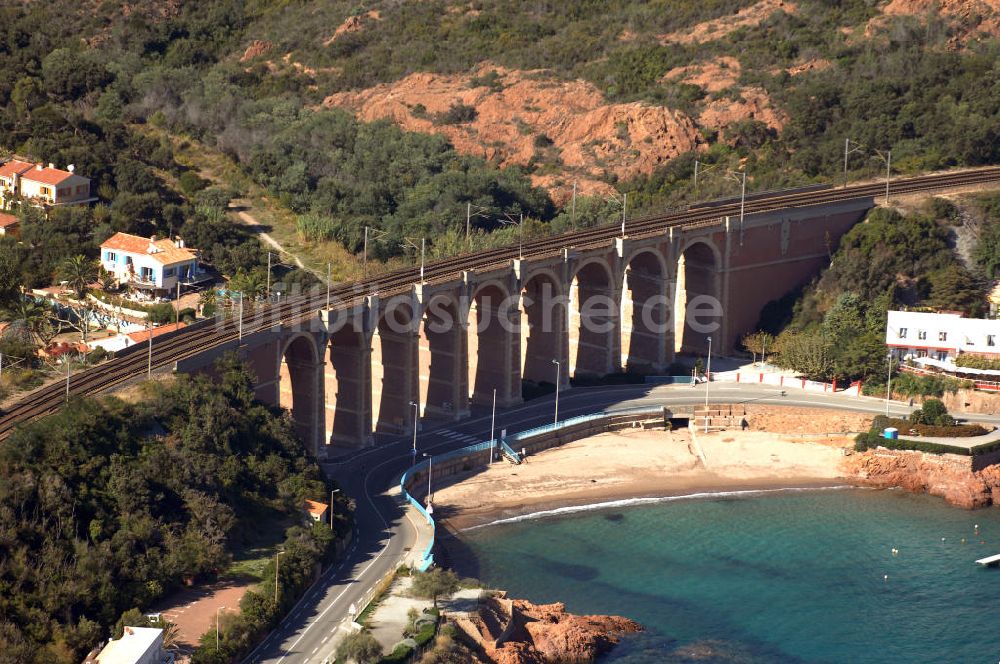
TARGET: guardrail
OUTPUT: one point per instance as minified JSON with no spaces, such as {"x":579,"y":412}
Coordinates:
{"x":427,"y":558}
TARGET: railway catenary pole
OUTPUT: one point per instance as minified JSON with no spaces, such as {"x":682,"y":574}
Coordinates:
{"x":149,"y":352}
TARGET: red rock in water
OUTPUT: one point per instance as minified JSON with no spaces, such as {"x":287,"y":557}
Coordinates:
{"x":519,"y":632}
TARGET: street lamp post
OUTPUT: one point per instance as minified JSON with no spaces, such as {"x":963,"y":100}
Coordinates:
{"x":888,"y":382}
{"x":708,"y":379}
{"x":430,"y":472}
{"x":416,"y":418}
{"x":331,"y":506}
{"x":558,"y":371}
{"x":493,"y":426}
{"x":277,"y":561}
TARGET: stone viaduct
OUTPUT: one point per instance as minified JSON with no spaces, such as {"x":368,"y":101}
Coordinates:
{"x":348,"y":374}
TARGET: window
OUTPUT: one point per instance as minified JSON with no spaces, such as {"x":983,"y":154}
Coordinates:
{"x":902,"y":333}
{"x":146,"y":274}
{"x":81,"y":188}
{"x":169,"y":272}
{"x":942,"y":336}
{"x":942,"y":355}
{"x":111,"y":257}
{"x":922,"y":335}
{"x":991,"y":340}
{"x":921,"y":353}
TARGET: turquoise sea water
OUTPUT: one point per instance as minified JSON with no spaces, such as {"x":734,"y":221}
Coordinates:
{"x":782,"y":577}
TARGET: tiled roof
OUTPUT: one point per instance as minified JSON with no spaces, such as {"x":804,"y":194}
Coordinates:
{"x":8,"y":220}
{"x":168,"y":253}
{"x":14,"y":166}
{"x":51,"y":176}
{"x":143,"y":335}
{"x":314,"y":508}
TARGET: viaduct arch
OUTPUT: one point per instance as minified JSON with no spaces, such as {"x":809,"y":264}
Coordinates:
{"x":348,"y":375}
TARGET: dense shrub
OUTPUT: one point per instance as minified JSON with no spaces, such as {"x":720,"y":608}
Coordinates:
{"x":174,"y":476}
{"x":977,"y":362}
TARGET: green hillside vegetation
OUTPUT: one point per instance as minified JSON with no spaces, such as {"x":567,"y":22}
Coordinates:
{"x":107,"y":506}
{"x":834,"y":328}
{"x":64,"y":101}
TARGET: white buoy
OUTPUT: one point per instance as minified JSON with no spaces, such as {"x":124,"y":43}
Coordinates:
{"x":885,"y":577}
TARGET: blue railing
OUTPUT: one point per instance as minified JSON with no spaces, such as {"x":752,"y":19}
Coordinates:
{"x":428,"y":556}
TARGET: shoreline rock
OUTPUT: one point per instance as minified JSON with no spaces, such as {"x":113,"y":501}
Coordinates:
{"x":948,"y":476}
{"x":520,"y":632}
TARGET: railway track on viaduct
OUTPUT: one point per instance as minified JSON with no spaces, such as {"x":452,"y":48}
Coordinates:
{"x":172,"y":347}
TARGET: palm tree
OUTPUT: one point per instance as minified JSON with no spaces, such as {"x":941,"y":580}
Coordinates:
{"x":251,"y":284}
{"x":206,"y":299}
{"x":80,"y":272}
{"x":36,"y":318}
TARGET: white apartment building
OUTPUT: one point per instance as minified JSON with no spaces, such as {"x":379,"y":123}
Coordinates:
{"x":138,"y":645}
{"x":940,"y":337}
{"x":149,"y":264}
{"x":41,"y":185}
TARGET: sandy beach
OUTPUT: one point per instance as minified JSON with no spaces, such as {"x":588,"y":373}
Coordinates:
{"x":637,"y":463}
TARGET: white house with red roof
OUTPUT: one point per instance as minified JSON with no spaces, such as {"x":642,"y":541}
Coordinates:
{"x":42,"y":185}
{"x":151,"y":264}
{"x":54,"y":186}
{"x":10,"y":180}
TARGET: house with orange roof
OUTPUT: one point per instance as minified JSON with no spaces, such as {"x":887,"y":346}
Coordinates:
{"x":8,"y":224}
{"x":316,"y":510}
{"x":149,"y":264}
{"x":10,"y":180}
{"x":53,"y":186}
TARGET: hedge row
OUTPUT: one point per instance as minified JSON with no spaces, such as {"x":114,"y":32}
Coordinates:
{"x":870,"y":440}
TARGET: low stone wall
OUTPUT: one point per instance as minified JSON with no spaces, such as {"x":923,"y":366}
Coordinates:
{"x":967,"y":403}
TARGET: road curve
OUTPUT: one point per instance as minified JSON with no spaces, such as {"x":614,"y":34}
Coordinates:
{"x":384,"y":534}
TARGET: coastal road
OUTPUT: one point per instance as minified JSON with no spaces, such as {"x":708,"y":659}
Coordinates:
{"x":385,"y":534}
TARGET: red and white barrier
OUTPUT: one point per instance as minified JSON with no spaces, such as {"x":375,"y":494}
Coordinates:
{"x":780,"y":380}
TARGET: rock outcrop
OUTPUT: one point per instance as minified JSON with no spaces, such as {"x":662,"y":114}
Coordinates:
{"x":522,"y":114}
{"x":519,"y":632}
{"x":969,"y":18}
{"x":949,"y":476}
{"x":718,"y":28}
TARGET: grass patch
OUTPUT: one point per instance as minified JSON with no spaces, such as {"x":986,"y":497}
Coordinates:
{"x":381,"y":590}
{"x":255,"y":547}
